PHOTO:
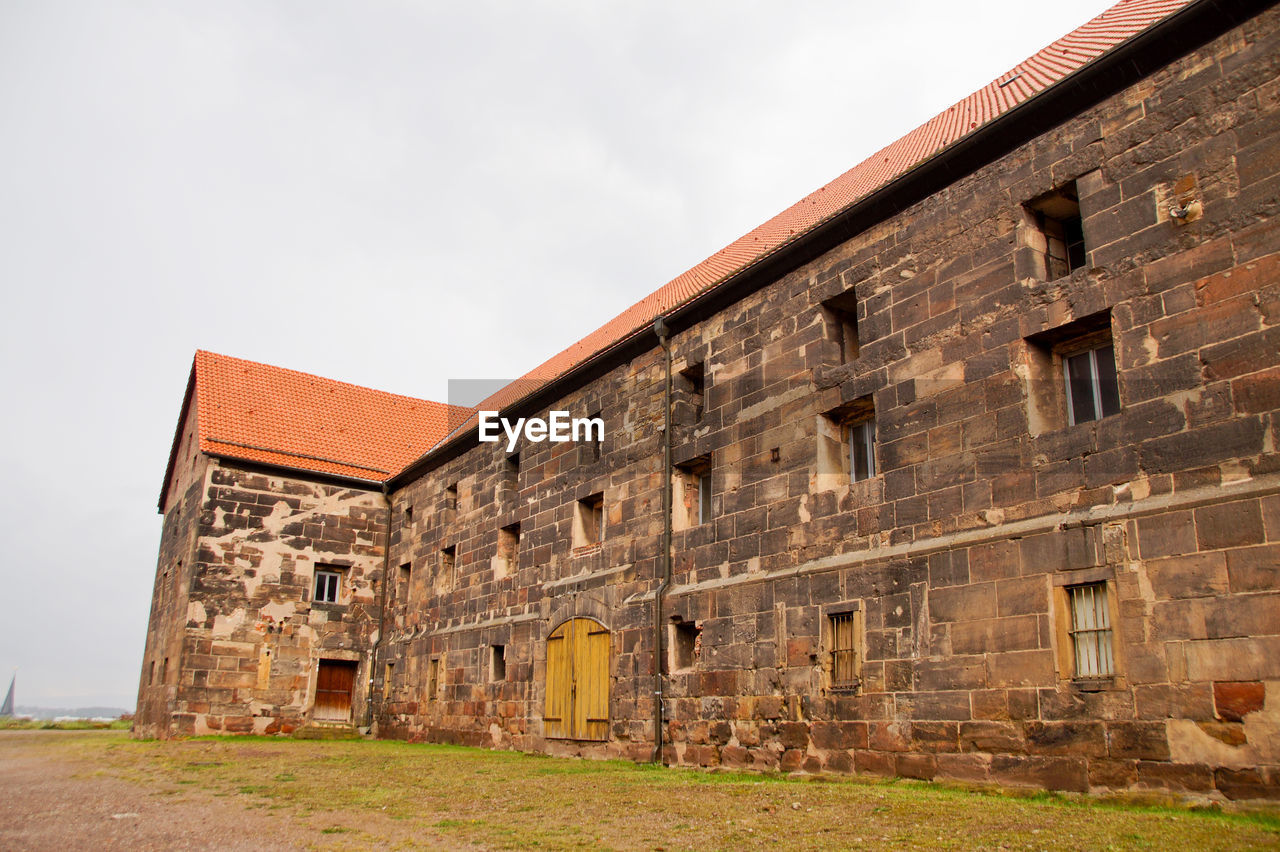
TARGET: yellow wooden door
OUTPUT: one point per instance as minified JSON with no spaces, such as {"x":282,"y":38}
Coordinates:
{"x":558,"y":714}
{"x":578,"y":681}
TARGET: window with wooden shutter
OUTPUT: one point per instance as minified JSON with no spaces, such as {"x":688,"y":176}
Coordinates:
{"x":577,"y":705}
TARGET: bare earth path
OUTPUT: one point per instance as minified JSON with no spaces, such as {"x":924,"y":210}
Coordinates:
{"x":52,"y":797}
{"x":100,"y":790}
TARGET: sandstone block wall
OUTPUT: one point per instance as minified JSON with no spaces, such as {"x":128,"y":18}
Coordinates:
{"x":985,"y":506}
{"x":249,"y":632}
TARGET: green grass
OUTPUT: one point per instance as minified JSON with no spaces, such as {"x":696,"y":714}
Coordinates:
{"x":402,"y":794}
{"x":15,"y":724}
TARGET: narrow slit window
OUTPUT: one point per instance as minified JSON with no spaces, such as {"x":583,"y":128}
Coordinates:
{"x":511,"y":473}
{"x":1091,"y":630}
{"x":448,"y":565}
{"x":406,"y":575}
{"x":433,"y":678}
{"x":451,"y":496}
{"x":841,"y":316}
{"x":686,"y":644}
{"x":509,"y":546}
{"x":596,"y":437}
{"x":704,"y":497}
{"x":691,"y":391}
{"x":497,"y":663}
{"x":588,"y":521}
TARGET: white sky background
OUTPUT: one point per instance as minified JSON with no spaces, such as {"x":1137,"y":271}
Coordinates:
{"x":386,"y":193}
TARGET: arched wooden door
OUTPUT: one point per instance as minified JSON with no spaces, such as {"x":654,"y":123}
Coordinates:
{"x":578,"y":681}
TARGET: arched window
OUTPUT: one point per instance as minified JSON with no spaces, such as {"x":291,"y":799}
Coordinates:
{"x":578,"y":681}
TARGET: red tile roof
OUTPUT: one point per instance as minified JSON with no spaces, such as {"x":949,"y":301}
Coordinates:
{"x":266,"y":414}
{"x":281,"y":417}
{"x":1069,"y":53}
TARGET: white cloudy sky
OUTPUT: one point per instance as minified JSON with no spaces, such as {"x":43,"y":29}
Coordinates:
{"x":387,"y":192}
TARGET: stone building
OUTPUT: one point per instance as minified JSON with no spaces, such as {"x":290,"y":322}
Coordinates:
{"x":967,"y":464}
{"x":274,"y":542}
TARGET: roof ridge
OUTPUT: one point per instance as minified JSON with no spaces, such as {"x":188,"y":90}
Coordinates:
{"x":278,"y":369}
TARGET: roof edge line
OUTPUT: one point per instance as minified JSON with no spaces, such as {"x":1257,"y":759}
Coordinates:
{"x":307,"y":473}
{"x":1219,"y":16}
{"x":296,"y":455}
{"x":177,"y":436}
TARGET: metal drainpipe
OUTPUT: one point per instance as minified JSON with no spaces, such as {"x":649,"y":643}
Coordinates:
{"x":382,"y":613}
{"x":660,"y":329}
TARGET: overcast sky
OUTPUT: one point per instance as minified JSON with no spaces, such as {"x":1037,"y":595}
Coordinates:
{"x":387,"y":193}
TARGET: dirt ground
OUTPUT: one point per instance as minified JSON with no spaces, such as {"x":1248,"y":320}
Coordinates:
{"x":56,"y":797}
{"x":101,"y":790}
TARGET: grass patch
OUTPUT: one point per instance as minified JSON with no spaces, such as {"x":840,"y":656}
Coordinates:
{"x":11,"y":723}
{"x":401,"y":793}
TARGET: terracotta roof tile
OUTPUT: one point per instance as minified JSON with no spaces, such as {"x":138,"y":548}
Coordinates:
{"x":1069,"y":53}
{"x":276,"y":416}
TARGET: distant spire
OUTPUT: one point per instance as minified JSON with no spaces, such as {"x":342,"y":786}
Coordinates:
{"x":6,"y":709}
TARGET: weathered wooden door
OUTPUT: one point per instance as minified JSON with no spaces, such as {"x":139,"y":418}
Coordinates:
{"x":334,"y":682}
{"x":578,"y":681}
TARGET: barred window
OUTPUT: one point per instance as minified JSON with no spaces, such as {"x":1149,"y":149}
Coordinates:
{"x":1091,"y":630}
{"x":844,"y":650}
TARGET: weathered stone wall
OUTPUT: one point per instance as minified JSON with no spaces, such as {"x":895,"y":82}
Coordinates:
{"x":162,"y":657}
{"x":986,"y":504}
{"x":251,"y":635}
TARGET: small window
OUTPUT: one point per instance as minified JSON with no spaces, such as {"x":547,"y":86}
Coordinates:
{"x":841,"y":316}
{"x":509,"y":547}
{"x":691,"y":493}
{"x":326,"y":586}
{"x":588,"y":521}
{"x":861,"y":439}
{"x":1071,"y":374}
{"x":448,"y":566}
{"x":686,"y":644}
{"x":386,"y":676}
{"x":1092,"y":389}
{"x":690,"y":394}
{"x":164,"y":671}
{"x":847,"y":444}
{"x":1091,"y":630}
{"x":596,"y":436}
{"x":151,"y":674}
{"x":846,"y":663}
{"x":406,"y":575}
{"x":704,"y":497}
{"x":511,"y":473}
{"x":433,"y":678}
{"x":1058,"y":231}
{"x":451,"y":496}
{"x":497,"y":663}
{"x":408,"y":515}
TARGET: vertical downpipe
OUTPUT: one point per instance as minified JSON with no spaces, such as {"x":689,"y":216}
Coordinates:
{"x":660,"y":329}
